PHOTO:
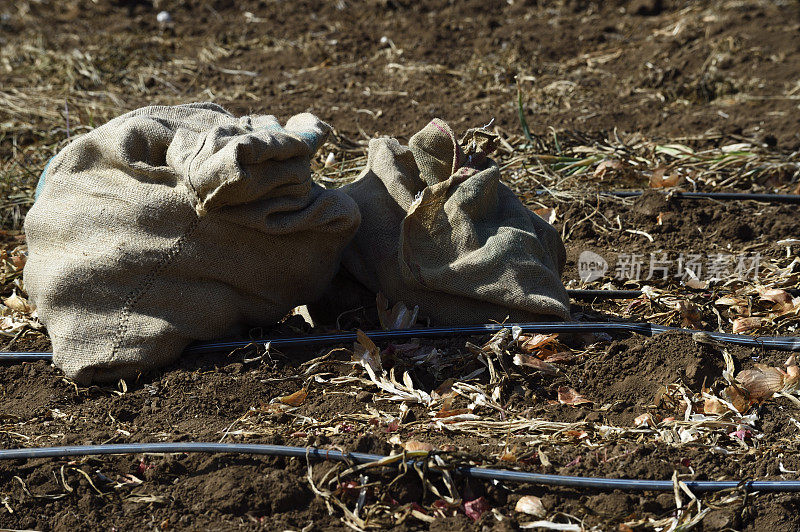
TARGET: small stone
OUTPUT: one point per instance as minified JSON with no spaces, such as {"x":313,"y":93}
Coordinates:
{"x":364,"y":397}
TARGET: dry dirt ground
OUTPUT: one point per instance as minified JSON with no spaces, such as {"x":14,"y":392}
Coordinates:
{"x":700,"y":96}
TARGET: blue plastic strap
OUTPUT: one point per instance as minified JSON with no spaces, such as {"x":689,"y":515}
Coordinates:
{"x":40,"y":184}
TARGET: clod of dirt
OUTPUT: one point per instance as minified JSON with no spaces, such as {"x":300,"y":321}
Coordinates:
{"x":737,"y":231}
{"x":652,"y":203}
{"x":647,"y":8}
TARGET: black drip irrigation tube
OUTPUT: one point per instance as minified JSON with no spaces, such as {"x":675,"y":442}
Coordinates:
{"x":721,"y":196}
{"x":12,"y":356}
{"x":630,"y":294}
{"x":604,"y":294}
{"x":786,"y":343}
{"x":627,"y":484}
{"x":789,"y":343}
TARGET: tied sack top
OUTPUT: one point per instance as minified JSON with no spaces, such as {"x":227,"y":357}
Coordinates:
{"x":174,"y":224}
{"x":441,"y":232}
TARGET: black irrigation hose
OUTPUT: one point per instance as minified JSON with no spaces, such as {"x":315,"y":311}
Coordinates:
{"x":787,"y":343}
{"x":604,"y":294}
{"x":722,"y":196}
{"x":25,"y":357}
{"x":628,"y":484}
{"x":630,"y":294}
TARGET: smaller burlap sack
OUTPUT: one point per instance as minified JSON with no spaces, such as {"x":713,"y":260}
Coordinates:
{"x":441,"y":232}
{"x":173,"y":224}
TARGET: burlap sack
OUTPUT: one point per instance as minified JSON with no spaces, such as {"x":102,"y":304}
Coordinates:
{"x":173,"y":224}
{"x":440,"y":231}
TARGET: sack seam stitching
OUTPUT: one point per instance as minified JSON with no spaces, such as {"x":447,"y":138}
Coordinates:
{"x":136,"y":294}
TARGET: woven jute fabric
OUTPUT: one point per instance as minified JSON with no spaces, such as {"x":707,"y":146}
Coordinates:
{"x":440,"y":231}
{"x":173,"y":224}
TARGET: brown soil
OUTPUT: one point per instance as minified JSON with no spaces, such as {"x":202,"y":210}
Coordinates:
{"x":704,"y":227}
{"x":211,"y":397}
{"x":670,"y":69}
{"x":723,"y":71}
{"x":632,"y":372}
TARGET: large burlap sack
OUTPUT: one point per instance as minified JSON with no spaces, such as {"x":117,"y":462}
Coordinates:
{"x":173,"y":224}
{"x":441,"y":232}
